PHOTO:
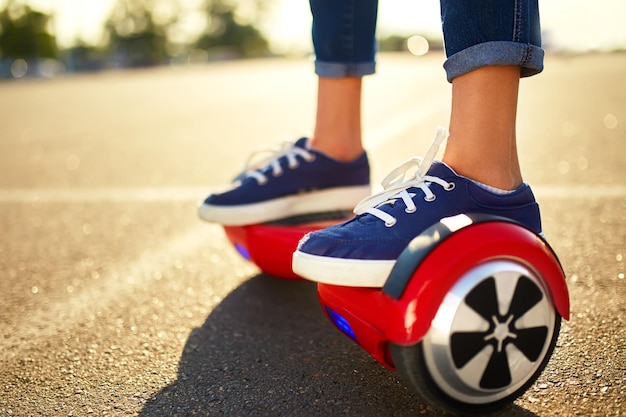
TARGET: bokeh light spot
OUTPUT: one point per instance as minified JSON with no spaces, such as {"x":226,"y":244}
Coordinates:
{"x":417,"y":45}
{"x":610,"y":121}
{"x":19,"y":68}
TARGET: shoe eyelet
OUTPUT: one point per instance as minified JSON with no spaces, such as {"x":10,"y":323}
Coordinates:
{"x":449,"y":187}
{"x":391,"y":223}
{"x":410,"y":210}
{"x":430,"y":199}
{"x":294,"y":166}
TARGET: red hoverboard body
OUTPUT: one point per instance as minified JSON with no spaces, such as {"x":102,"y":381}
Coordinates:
{"x":270,"y":246}
{"x":469,"y":315}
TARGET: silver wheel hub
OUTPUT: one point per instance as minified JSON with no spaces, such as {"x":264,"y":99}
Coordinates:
{"x":491,"y":332}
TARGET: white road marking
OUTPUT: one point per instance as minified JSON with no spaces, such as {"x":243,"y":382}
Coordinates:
{"x":102,"y":194}
{"x":177,"y":194}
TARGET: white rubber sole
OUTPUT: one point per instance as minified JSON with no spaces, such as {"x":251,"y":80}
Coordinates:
{"x":341,"y":198}
{"x":339,"y":271}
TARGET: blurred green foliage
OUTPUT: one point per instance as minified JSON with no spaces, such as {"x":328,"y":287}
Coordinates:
{"x":25,"y":33}
{"x":141,"y":33}
{"x":149,"y":32}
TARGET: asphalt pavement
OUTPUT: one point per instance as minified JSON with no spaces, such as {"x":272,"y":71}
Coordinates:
{"x":117,"y":300}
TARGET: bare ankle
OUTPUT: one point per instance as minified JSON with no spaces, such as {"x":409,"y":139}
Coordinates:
{"x":503,"y":178}
{"x":338,"y":147}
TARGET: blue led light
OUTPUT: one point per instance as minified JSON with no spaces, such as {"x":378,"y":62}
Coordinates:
{"x":341,"y":323}
{"x":242,"y":251}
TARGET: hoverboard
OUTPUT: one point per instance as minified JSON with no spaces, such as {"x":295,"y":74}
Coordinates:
{"x":469,"y":316}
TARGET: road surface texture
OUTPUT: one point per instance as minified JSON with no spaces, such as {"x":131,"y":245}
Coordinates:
{"x":117,"y":300}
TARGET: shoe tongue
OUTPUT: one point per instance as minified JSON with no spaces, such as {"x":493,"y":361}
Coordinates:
{"x":440,"y":169}
{"x":303,"y":143}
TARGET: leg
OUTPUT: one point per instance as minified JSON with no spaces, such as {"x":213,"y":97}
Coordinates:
{"x":484,"y":66}
{"x":338,"y":122}
{"x":329,"y":171}
{"x":344,"y":39}
{"x":482,"y":142}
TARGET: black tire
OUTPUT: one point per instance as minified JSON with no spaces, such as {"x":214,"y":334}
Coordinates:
{"x":463,"y":363}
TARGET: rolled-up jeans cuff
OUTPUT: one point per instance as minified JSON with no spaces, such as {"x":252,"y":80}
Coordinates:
{"x":340,"y":70}
{"x":528,"y":57}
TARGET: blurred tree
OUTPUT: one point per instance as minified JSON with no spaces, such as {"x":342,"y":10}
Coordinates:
{"x":134,"y":37}
{"x":149,"y":32}
{"x":25,"y":33}
{"x":231,"y":28}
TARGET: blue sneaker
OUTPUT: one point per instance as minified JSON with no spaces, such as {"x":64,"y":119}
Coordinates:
{"x":292,"y":181}
{"x":362,"y":251}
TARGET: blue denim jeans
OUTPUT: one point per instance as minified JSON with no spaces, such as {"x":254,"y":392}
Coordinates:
{"x":476,"y":33}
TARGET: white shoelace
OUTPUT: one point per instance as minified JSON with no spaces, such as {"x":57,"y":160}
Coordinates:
{"x":286,"y":149}
{"x":395,"y":184}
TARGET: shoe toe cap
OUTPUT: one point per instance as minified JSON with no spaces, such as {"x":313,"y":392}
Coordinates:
{"x":329,"y":243}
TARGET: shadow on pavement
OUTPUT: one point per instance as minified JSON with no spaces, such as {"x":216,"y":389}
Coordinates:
{"x":267,"y":350}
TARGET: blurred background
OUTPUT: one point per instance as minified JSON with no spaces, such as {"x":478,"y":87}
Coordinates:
{"x":45,"y":38}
